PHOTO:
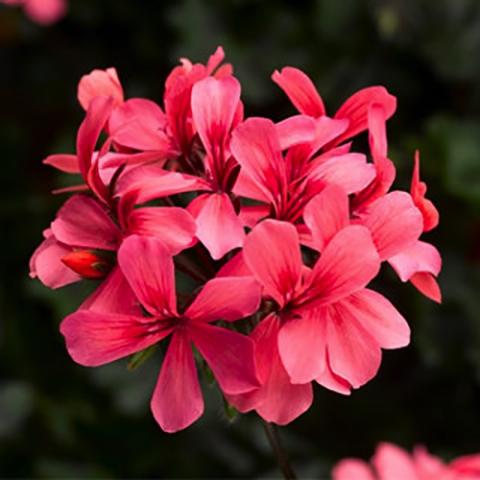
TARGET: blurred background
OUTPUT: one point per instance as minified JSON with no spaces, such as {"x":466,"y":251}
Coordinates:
{"x":58,"y":419}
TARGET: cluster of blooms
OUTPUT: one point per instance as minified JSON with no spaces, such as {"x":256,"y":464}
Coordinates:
{"x":393,"y":463}
{"x":43,"y":12}
{"x":273,"y":229}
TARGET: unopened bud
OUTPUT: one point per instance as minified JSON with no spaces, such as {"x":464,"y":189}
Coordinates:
{"x":86,"y":263}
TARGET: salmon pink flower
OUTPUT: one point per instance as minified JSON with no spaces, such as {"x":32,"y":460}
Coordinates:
{"x":95,"y":338}
{"x":83,"y":239}
{"x":283,"y":183}
{"x":43,"y":12}
{"x":393,"y":463}
{"x":282,"y":224}
{"x":135,"y":125}
{"x":326,"y":325}
{"x":395,"y":224}
{"x":178,"y":93}
{"x":215,"y":103}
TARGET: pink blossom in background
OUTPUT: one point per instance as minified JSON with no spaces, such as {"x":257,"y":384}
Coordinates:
{"x":391,"y":462}
{"x":43,"y":12}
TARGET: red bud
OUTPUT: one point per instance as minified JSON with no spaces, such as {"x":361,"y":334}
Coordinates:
{"x":86,"y":263}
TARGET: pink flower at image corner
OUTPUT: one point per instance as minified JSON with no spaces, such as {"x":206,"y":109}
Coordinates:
{"x":43,"y":12}
{"x":391,"y":462}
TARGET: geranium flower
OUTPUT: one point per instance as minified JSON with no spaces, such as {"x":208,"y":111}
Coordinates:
{"x":326,"y":326}
{"x":393,"y":463}
{"x":43,"y":12}
{"x":83,"y":239}
{"x":95,"y":338}
{"x":286,"y":184}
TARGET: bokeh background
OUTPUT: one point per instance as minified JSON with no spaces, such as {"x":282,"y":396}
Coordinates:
{"x":58,"y":419}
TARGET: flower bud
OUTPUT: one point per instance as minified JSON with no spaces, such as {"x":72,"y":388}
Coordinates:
{"x":87,"y":263}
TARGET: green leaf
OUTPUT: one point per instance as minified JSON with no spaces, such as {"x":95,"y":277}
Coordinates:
{"x":138,"y":358}
{"x":230,"y":411}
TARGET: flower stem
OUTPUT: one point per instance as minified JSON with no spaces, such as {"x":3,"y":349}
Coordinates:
{"x":271,"y":431}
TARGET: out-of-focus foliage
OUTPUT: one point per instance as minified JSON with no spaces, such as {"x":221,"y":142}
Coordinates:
{"x":61,"y":420}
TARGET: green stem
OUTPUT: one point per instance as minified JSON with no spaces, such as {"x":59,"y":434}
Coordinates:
{"x":271,"y":431}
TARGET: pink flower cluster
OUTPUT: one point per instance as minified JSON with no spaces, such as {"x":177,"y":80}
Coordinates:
{"x":277,"y":228}
{"x":393,"y":463}
{"x":43,"y":12}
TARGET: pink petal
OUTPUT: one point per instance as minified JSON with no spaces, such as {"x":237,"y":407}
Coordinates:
{"x":139,"y":135}
{"x":177,"y":101}
{"x":385,"y":175}
{"x":140,"y":124}
{"x":177,"y":400}
{"x":300,"y":90}
{"x":64,"y":162}
{"x":83,"y":222}
{"x":430,"y":466}
{"x":218,"y":226}
{"x":426,"y":284}
{"x":352,"y":469}
{"x":247,"y":187}
{"x":467,"y":464}
{"x":141,"y":109}
{"x":377,"y":135}
{"x":256,"y":147}
{"x":326,"y":214}
{"x":277,"y":400}
{"x":250,"y":215}
{"x":356,"y":108}
{"x":113,"y":295}
{"x":95,"y":338}
{"x":419,"y":257}
{"x":111,"y":160}
{"x":215,"y":60}
{"x":282,"y":402}
{"x":173,"y":225}
{"x":333,"y":382}
{"x":349,"y":171}
{"x":378,"y":317}
{"x":98,"y":113}
{"x":148,"y":268}
{"x":395,"y":223}
{"x":393,"y":463}
{"x":46,"y":264}
{"x":301,"y":343}
{"x":45,"y":12}
{"x":418,"y":190}
{"x":225,"y":298}
{"x":295,"y":130}
{"x":99,"y":83}
{"x":230,"y":356}
{"x":214,"y":103}
{"x":353,"y":353}
{"x":152,"y":181}
{"x":327,"y":129}
{"x":235,"y":267}
{"x":347,"y":265}
{"x":272,"y":253}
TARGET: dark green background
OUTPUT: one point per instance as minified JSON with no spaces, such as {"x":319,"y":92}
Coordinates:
{"x":61,"y":420}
